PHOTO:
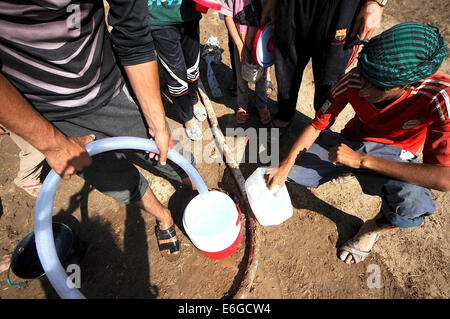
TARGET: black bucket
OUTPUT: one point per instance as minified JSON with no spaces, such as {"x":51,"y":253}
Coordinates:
{"x":25,"y":261}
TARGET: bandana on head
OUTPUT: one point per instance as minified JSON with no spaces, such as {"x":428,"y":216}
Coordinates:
{"x":402,"y":55}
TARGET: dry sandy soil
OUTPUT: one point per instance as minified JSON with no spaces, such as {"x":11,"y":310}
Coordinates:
{"x":298,"y":259}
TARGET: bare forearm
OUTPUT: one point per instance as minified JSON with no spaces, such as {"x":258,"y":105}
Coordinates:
{"x":276,"y":178}
{"x":66,"y":156}
{"x":302,"y":144}
{"x":426,"y":175}
{"x":234,"y":34}
{"x":145,"y":82}
{"x":18,"y":116}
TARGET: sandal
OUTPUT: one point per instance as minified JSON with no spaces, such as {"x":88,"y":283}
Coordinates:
{"x":264,"y":117}
{"x":241,"y":116}
{"x":357,"y":255}
{"x":32,"y":190}
{"x":343,"y":179}
{"x":200,"y":113}
{"x":173,"y":246}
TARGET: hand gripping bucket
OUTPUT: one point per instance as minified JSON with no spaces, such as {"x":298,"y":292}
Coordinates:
{"x":212,"y":222}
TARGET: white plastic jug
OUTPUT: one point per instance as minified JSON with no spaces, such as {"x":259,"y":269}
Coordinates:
{"x":268,"y":208}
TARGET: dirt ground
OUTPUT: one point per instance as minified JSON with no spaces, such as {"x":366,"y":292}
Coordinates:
{"x":298,"y":259}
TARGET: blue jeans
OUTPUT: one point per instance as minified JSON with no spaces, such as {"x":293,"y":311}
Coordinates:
{"x":403,"y":204}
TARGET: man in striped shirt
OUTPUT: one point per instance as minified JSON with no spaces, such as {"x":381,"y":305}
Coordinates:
{"x":402,"y":103}
{"x":61,"y":87}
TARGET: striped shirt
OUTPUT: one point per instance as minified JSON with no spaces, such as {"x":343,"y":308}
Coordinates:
{"x":419,"y":117}
{"x":58,"y":54}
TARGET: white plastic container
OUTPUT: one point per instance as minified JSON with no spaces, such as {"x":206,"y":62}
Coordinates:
{"x":212,"y":222}
{"x":268,"y":208}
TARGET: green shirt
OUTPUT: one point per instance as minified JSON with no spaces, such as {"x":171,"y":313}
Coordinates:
{"x":169,"y":12}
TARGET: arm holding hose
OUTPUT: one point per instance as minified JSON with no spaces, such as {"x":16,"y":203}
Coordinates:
{"x":66,"y":156}
{"x":134,"y":48}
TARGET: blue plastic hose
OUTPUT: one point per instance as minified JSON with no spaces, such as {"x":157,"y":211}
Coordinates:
{"x":45,"y":243}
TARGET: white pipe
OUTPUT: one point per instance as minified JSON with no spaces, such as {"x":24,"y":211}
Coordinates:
{"x":45,"y":243}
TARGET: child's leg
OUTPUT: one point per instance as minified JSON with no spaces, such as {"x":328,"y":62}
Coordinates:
{"x":261,"y":98}
{"x":31,"y":163}
{"x":190,"y":44}
{"x":231,"y":49}
{"x":261,"y":94}
{"x":313,"y":168}
{"x":242,"y":85}
{"x":170,"y":54}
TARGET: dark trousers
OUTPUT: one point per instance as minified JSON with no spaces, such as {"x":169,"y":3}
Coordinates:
{"x":311,"y":29}
{"x":231,"y":49}
{"x":178,"y":49}
{"x":113,"y":173}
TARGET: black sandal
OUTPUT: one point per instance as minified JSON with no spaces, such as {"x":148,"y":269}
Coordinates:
{"x":173,"y":246}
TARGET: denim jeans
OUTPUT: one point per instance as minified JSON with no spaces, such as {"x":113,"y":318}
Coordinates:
{"x":403,"y":204}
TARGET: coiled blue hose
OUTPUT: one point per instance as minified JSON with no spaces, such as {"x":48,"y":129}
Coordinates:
{"x":45,"y":243}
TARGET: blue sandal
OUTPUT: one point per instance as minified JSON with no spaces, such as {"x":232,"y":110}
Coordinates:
{"x":194,"y":133}
{"x":200,"y":114}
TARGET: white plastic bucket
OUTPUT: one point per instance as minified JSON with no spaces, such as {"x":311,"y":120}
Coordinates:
{"x":268,"y":208}
{"x":212,"y":222}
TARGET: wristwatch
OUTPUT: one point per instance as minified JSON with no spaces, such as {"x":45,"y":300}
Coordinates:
{"x":382,"y":2}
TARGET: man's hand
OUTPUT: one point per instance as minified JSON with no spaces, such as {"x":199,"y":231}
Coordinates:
{"x":344,"y":155}
{"x":368,"y":20}
{"x":163,"y":142}
{"x":71,"y":157}
{"x":144,"y":80}
{"x":269,"y":12}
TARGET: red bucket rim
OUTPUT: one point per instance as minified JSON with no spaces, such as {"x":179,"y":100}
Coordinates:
{"x":226,"y":252}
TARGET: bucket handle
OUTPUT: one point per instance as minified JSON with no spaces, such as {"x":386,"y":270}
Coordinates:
{"x":14,"y":284}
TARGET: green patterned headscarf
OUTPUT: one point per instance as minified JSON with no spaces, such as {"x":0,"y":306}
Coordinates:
{"x":402,"y":55}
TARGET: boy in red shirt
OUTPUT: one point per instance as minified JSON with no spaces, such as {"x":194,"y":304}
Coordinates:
{"x":401,"y":103}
